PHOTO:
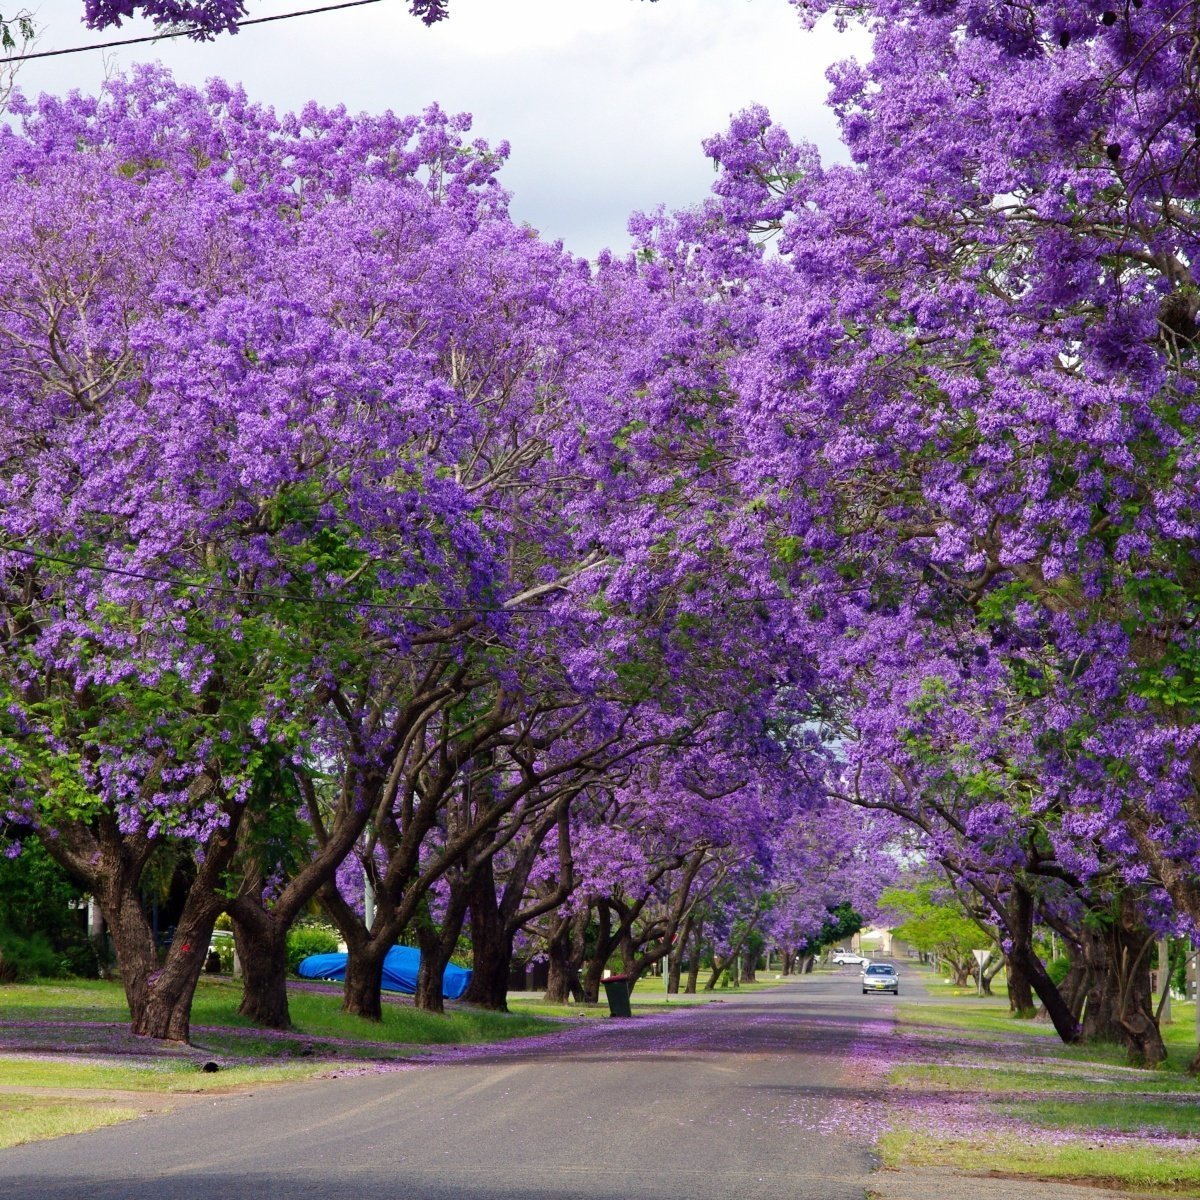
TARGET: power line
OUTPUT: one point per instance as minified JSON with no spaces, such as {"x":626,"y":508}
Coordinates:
{"x":177,"y":33}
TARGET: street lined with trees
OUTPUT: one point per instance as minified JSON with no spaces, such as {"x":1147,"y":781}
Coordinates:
{"x":362,"y":553}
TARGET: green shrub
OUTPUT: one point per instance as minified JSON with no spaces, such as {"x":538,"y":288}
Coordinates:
{"x":41,"y":919}
{"x":81,"y":959}
{"x":309,"y":939}
{"x":1057,"y":969}
{"x":29,"y":956}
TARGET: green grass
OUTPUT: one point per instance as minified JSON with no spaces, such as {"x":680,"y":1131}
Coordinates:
{"x":319,"y":1015}
{"x":33,"y":1119}
{"x":1082,"y":1107}
{"x":64,"y":1000}
{"x":1088,"y":1076}
{"x":217,"y":1026}
{"x":137,"y":1076}
{"x":1166,"y":1171}
{"x":1119,"y":1114}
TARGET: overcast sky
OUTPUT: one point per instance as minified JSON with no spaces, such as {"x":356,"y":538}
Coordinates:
{"x":605,"y":102}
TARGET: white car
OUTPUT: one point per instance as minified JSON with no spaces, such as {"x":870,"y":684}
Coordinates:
{"x":881,"y":977}
{"x":842,"y":957}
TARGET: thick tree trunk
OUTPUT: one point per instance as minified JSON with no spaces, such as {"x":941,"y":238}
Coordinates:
{"x":961,"y":970}
{"x":593,"y":971}
{"x":491,"y":945}
{"x":133,"y":945}
{"x":428,"y":996}
{"x":165,"y":998}
{"x":1020,"y":994}
{"x":159,"y":994}
{"x":362,"y":994}
{"x":675,"y":962}
{"x":789,"y":959}
{"x":110,"y":863}
{"x":1128,"y":1001}
{"x":566,"y":948}
{"x":809,"y":962}
{"x":710,"y":984}
{"x":261,"y":943}
{"x":437,"y":943}
{"x":1075,"y":984}
{"x":674,"y":974}
{"x":597,"y":960}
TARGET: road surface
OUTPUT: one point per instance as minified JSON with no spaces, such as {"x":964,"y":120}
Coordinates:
{"x":759,"y":1095}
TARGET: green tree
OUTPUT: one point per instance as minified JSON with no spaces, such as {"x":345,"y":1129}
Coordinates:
{"x":933,"y":921}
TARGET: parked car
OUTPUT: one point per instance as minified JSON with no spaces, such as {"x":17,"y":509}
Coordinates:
{"x":881,"y":977}
{"x":842,"y":957}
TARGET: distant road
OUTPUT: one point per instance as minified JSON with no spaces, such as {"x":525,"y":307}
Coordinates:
{"x":746,"y":1097}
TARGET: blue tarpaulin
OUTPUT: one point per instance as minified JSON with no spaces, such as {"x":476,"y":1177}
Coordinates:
{"x":399,"y":971}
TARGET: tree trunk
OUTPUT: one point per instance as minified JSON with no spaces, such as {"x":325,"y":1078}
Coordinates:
{"x":261,"y":944}
{"x":1020,"y":994}
{"x":1063,"y":1019}
{"x":674,"y":973}
{"x":594,"y":969}
{"x":566,"y":948}
{"x":491,"y":945}
{"x":165,"y":998}
{"x":437,"y":946}
{"x":1130,"y":945}
{"x":428,"y":996}
{"x":110,"y":863}
{"x":809,"y":962}
{"x":597,"y":960}
{"x":363,"y":991}
{"x":718,"y":965}
{"x":159,"y":995}
{"x":675,"y":961}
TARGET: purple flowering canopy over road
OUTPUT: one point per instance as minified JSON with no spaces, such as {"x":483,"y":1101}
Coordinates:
{"x":652,"y":555}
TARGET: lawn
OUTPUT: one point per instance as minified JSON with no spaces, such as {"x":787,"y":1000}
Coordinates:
{"x":975,"y":1089}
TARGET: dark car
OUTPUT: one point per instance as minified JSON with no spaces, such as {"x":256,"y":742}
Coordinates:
{"x":881,"y":977}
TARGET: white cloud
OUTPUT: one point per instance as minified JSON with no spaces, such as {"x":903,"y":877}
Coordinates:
{"x":605,"y":102}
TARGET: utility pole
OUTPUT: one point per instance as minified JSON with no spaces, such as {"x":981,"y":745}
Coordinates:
{"x":1164,"y":975}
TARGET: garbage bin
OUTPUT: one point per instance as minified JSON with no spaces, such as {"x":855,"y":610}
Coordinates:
{"x":616,"y":989}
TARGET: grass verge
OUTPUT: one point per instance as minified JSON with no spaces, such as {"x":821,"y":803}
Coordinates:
{"x":982,"y":1092}
{"x":1147,"y":1168}
{"x":33,"y":1118}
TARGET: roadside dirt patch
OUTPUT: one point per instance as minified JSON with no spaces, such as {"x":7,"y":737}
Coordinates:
{"x":926,"y":1183}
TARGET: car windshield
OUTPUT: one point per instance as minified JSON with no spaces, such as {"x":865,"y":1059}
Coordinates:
{"x":881,"y":970}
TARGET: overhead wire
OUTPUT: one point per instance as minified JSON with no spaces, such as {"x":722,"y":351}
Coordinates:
{"x":178,"y":33}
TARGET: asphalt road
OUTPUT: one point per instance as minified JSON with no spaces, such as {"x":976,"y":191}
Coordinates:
{"x":748,"y":1096}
